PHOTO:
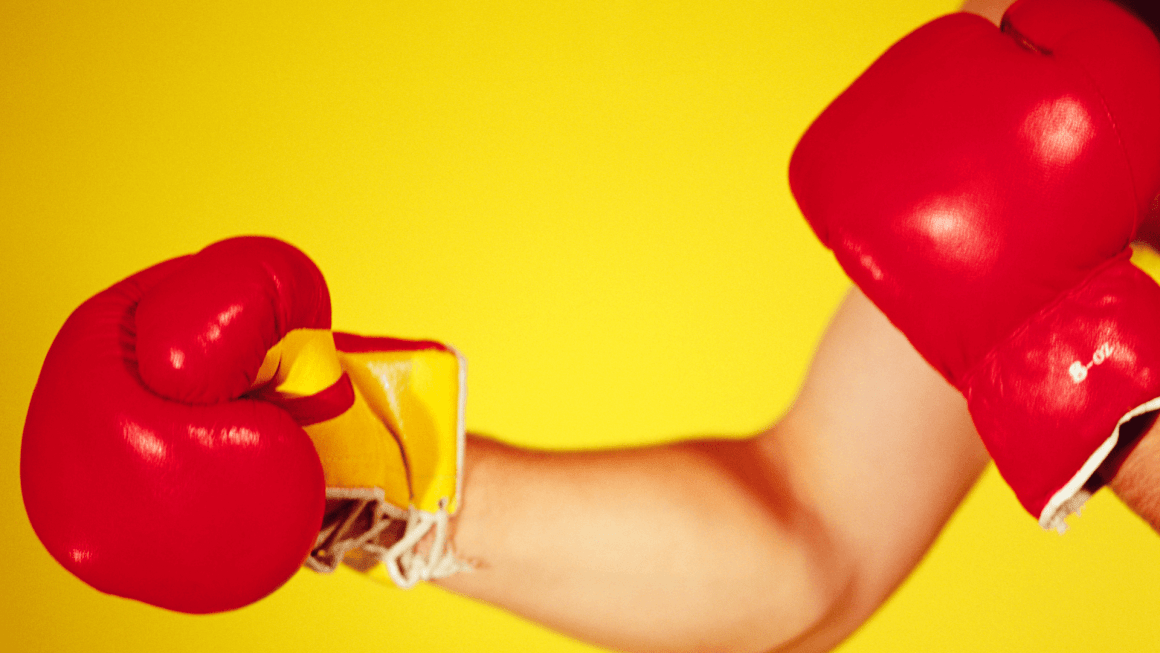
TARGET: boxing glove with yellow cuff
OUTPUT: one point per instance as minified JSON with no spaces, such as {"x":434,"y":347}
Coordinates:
{"x":198,"y":433}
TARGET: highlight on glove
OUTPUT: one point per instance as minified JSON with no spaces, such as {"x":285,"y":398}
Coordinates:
{"x":198,"y":433}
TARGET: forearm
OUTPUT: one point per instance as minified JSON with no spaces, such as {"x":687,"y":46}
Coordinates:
{"x":663,"y":548}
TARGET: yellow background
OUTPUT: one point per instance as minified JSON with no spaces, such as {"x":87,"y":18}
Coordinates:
{"x":589,"y":199}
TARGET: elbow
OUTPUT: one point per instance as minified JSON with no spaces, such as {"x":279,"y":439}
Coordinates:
{"x":793,"y":578}
{"x":831,"y":601}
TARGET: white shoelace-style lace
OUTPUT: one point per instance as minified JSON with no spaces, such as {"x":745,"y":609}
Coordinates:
{"x":361,"y":531}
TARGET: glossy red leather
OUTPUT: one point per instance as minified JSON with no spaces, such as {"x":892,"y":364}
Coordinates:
{"x":973,"y":177}
{"x":191,"y":507}
{"x":204,"y":331}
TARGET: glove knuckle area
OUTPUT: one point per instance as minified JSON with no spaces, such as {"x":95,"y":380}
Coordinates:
{"x":203,"y":332}
{"x":1119,"y":56}
{"x":957,"y":178}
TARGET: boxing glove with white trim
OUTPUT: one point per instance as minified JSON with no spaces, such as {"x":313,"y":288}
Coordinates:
{"x":981,"y":186}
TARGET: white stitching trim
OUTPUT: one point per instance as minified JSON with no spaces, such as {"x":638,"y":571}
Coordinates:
{"x":1072,"y":496}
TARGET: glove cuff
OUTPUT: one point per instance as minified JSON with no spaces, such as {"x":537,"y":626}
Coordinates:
{"x":386,"y":417}
{"x":1050,"y":399}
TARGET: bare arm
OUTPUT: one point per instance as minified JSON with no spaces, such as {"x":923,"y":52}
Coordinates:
{"x":786,"y":540}
{"x":991,"y":9}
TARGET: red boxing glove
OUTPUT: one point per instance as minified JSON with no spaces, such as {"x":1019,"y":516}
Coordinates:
{"x":177,"y":491}
{"x":981,"y":186}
